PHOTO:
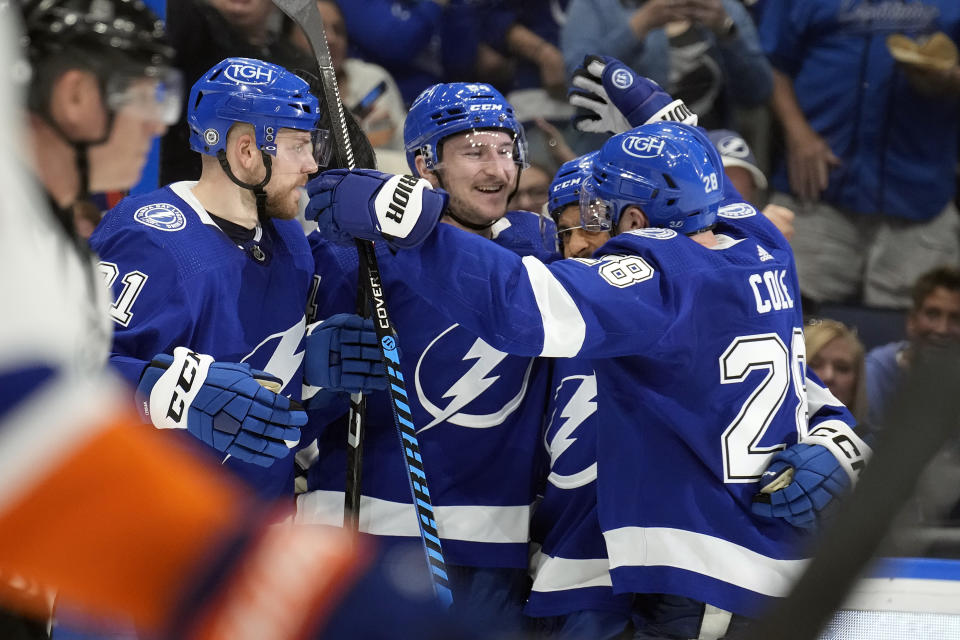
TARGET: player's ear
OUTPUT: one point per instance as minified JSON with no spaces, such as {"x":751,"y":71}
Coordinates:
{"x":77,"y":105}
{"x":242,"y":145}
{"x":421,"y":166}
{"x":632,"y":218}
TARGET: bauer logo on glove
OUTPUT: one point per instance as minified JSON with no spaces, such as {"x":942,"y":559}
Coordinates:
{"x":371,"y":205}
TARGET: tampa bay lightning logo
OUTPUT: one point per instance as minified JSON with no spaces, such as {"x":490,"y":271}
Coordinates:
{"x":622,"y":78}
{"x":736,"y":211}
{"x":643,"y":146}
{"x":162,"y":216}
{"x":733,"y":146}
{"x":571,"y":433}
{"x":281,"y":354}
{"x":452,"y":388}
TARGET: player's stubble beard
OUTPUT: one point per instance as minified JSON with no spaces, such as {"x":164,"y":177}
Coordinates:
{"x":284,"y":202}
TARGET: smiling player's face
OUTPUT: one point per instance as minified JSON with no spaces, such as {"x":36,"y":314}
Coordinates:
{"x":478,"y":170}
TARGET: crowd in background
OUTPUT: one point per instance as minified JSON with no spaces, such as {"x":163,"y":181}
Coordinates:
{"x":858,"y":137}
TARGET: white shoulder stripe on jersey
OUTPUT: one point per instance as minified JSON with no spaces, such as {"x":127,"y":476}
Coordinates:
{"x":563,"y":327}
{"x":703,"y":554}
{"x":471,"y":523}
{"x":552,"y":573}
{"x":51,"y":424}
{"x":818,"y":397}
{"x":184,"y":189}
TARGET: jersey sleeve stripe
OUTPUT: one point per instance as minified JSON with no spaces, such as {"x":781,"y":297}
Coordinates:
{"x":48,"y":425}
{"x":703,"y":554}
{"x":564,"y":329}
{"x":818,"y":396}
{"x":551,"y":573}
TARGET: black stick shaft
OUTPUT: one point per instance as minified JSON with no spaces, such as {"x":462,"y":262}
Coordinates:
{"x":307,"y":17}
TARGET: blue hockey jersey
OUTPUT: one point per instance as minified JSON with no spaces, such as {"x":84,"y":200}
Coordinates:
{"x":178,"y":280}
{"x":700,"y":367}
{"x":569,"y":563}
{"x":478,"y":413}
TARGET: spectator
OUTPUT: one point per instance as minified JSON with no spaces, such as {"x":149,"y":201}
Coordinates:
{"x":366,"y":89}
{"x":740,"y":165}
{"x":533,"y":190}
{"x":934,"y":321}
{"x":865,"y":165}
{"x":835,"y":354}
{"x":704,"y":52}
{"x":420,"y":42}
{"x":205,"y":32}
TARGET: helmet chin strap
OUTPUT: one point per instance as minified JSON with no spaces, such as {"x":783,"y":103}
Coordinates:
{"x":258,"y":189}
{"x":81,"y":149}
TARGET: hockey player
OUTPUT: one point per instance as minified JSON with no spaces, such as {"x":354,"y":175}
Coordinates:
{"x":477,"y":410}
{"x":211,"y":278}
{"x":114,"y":516}
{"x":571,"y":596}
{"x":690,"y":313}
{"x":564,"y":208}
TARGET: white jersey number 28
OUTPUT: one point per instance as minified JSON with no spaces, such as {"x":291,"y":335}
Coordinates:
{"x":743,"y":459}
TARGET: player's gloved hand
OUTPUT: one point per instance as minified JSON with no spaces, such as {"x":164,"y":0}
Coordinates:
{"x":342,"y":354}
{"x":371,"y":205}
{"x":801,"y":485}
{"x":617,"y":99}
{"x":225,"y":405}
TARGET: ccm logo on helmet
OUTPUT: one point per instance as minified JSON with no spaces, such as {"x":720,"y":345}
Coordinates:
{"x":486,"y":107}
{"x":642,"y":146}
{"x":567,"y":183}
{"x":248,"y":74}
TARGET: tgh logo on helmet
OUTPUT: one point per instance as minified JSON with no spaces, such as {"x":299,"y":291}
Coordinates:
{"x":248,"y":74}
{"x":642,"y":146}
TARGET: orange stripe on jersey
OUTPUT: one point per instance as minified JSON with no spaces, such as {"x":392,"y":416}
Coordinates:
{"x":288,"y":586}
{"x":122,"y":523}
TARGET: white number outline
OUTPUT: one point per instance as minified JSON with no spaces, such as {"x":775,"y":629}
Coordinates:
{"x":625,"y":271}
{"x":743,"y":460}
{"x":133,"y":283}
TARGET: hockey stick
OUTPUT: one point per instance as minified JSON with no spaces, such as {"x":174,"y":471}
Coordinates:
{"x":305,"y":14}
{"x":924,"y":415}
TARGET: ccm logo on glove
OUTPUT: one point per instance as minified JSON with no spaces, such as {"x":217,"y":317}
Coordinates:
{"x":397,"y":196}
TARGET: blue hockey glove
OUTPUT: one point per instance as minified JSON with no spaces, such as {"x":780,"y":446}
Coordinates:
{"x":617,"y":99}
{"x":371,"y":205}
{"x":227,"y":406}
{"x":342,"y":354}
{"x":801,"y":485}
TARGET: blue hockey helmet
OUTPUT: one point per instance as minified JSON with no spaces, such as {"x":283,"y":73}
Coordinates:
{"x":668,"y":169}
{"x":446,"y":109}
{"x":565,"y":187}
{"x":259,"y":93}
